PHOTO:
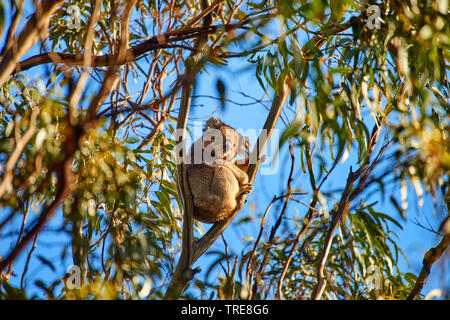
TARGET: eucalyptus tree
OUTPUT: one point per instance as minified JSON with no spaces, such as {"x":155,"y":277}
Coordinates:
{"x":95,"y":99}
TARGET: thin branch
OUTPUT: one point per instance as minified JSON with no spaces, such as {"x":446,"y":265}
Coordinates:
{"x":203,"y":14}
{"x":17,"y":152}
{"x":12,"y":28}
{"x":429,"y":259}
{"x":35,"y":29}
{"x":22,"y":229}
{"x":430,"y":228}
{"x":27,"y":263}
{"x":261,"y":230}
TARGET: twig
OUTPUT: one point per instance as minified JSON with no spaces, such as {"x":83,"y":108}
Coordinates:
{"x":27,"y":263}
{"x":417,"y":223}
{"x":261,"y":230}
{"x":22,"y":229}
{"x":309,"y":217}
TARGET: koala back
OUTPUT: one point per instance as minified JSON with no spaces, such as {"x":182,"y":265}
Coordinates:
{"x":214,"y":189}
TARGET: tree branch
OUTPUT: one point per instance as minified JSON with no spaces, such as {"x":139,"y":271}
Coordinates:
{"x":429,"y":259}
{"x":15,"y":155}
{"x":35,"y":29}
{"x":160,"y":41}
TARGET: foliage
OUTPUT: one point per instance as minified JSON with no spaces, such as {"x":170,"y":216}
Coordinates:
{"x":373,"y":92}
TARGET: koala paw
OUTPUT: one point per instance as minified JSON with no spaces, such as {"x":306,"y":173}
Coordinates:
{"x":263,"y":158}
{"x":245,"y":188}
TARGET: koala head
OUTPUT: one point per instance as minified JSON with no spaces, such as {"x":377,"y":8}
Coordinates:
{"x":221,"y":143}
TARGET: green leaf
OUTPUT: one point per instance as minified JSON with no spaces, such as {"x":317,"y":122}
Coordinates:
{"x":46,"y":262}
{"x":221,"y":90}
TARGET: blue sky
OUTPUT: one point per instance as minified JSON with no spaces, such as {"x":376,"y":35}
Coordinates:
{"x":414,"y":240}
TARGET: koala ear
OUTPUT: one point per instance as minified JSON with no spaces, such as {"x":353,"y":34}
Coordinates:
{"x":213,"y":123}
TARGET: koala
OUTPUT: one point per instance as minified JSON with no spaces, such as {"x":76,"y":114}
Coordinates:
{"x":215,"y":178}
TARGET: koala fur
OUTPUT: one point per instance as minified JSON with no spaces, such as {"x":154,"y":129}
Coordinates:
{"x":215,"y":179}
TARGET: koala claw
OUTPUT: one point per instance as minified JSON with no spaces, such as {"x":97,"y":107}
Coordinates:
{"x":263,"y":158}
{"x":246,"y":188}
